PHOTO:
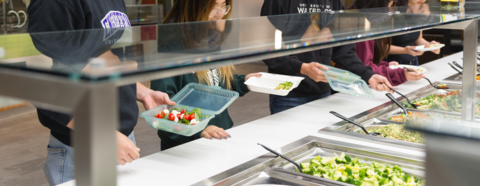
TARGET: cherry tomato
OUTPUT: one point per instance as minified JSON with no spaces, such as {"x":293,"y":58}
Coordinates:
{"x":161,"y":115}
{"x":178,"y":116}
{"x":171,"y":117}
{"x":182,"y":112}
{"x":187,"y":117}
{"x":157,"y":116}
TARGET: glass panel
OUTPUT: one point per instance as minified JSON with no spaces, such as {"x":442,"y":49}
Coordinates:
{"x":112,"y":53}
{"x":446,"y":126}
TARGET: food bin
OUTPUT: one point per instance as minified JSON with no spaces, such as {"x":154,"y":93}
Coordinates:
{"x":347,"y":82}
{"x":211,"y":99}
{"x":268,"y":82}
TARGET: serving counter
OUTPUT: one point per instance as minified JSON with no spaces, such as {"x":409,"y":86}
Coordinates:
{"x":193,"y":162}
{"x":87,"y":88}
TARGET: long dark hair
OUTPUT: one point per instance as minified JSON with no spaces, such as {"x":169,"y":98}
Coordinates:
{"x":382,"y":46}
{"x":195,"y":36}
{"x":192,"y":10}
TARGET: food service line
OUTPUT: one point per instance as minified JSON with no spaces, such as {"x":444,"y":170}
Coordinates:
{"x":192,"y":162}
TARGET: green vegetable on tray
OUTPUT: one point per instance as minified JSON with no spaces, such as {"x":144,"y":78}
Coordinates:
{"x":398,"y":132}
{"x":284,"y":86}
{"x":451,"y":102}
{"x":181,"y":115}
{"x":345,"y":169}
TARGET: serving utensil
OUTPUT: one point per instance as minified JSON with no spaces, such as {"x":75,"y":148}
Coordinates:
{"x":413,"y":105}
{"x":355,"y":123}
{"x":458,"y":65}
{"x":285,"y":158}
{"x":434,"y":86}
{"x":461,"y":68}
{"x":460,"y":72}
{"x":398,"y":103}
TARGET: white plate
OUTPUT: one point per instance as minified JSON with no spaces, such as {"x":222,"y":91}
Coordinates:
{"x":267,"y":83}
{"x":422,"y":48}
{"x":418,"y":68}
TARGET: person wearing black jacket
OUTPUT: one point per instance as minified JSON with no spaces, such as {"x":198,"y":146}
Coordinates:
{"x":71,"y":49}
{"x":308,"y":65}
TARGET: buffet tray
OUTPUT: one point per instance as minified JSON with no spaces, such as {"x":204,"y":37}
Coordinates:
{"x":270,"y":169}
{"x":379,"y":116}
{"x":315,"y":148}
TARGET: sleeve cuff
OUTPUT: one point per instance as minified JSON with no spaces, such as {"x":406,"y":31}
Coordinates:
{"x":401,"y":74}
{"x":297,"y":66}
{"x":367,"y":75}
{"x":240,"y":85}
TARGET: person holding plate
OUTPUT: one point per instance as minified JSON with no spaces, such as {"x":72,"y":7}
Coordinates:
{"x":209,"y":37}
{"x":403,"y":46}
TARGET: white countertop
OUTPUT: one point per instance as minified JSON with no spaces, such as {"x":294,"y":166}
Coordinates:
{"x":200,"y":159}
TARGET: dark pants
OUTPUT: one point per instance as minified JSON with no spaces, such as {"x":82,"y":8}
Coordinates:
{"x":414,"y":61}
{"x":165,"y":146}
{"x":281,"y":103}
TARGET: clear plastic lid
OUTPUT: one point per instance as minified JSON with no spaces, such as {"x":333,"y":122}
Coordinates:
{"x":347,"y":82}
{"x":210,"y":98}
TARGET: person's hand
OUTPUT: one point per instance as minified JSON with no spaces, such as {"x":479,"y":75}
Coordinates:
{"x":394,"y":63}
{"x":214,"y":132}
{"x":380,"y":83}
{"x":156,"y":98}
{"x":434,"y":51}
{"x":409,"y":50}
{"x":108,"y":63}
{"x":313,"y":71}
{"x":126,"y":150}
{"x":252,"y":75}
{"x":413,"y":76}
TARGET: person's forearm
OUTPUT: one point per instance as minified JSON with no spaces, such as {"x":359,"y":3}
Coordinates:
{"x":421,"y":41}
{"x":142,"y":91}
{"x":71,"y":124}
{"x":396,"y":50}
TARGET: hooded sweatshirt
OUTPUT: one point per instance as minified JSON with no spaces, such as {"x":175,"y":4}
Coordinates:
{"x":365,"y":51}
{"x":293,"y":27}
{"x":75,"y":45}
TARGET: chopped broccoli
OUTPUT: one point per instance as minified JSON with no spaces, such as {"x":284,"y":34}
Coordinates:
{"x":284,"y":86}
{"x":345,"y":169}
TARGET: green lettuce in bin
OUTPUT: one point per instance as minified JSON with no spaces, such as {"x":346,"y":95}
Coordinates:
{"x":345,"y":169}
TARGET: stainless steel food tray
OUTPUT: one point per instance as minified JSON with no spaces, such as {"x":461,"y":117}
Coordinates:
{"x":456,"y":79}
{"x":383,"y":112}
{"x":269,"y":169}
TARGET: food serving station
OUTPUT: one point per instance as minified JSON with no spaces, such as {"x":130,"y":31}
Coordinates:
{"x":240,"y":160}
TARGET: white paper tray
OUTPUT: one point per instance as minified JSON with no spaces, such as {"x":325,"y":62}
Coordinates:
{"x":268,"y":82}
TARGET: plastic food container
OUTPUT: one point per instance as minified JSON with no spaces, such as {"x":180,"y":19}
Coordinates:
{"x":347,"y":82}
{"x":212,"y":100}
{"x":268,"y":82}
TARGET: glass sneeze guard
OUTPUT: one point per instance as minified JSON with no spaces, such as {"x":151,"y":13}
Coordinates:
{"x":105,"y":54}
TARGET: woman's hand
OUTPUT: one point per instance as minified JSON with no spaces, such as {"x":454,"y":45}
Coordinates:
{"x":252,"y":75}
{"x":394,"y":63}
{"x":214,"y":132}
{"x":380,"y":83}
{"x":409,"y":50}
{"x":434,"y":51}
{"x":413,"y":76}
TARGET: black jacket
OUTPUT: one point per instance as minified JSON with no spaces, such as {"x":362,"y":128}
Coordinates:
{"x":75,"y":45}
{"x":293,"y":27}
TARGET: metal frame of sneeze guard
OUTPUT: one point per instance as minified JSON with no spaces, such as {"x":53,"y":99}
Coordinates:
{"x":94,"y":103}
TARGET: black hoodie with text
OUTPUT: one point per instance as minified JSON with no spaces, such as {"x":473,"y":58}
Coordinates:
{"x":88,"y":29}
{"x":344,"y":56}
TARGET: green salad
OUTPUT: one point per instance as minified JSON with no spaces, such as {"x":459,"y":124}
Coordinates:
{"x":398,"y":132}
{"x":345,"y":169}
{"x":284,"y":86}
{"x":451,"y":102}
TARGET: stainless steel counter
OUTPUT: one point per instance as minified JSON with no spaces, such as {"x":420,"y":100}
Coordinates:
{"x":269,"y":169}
